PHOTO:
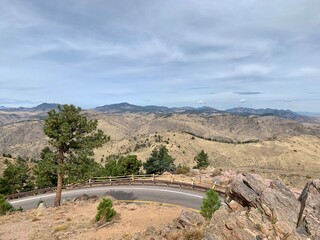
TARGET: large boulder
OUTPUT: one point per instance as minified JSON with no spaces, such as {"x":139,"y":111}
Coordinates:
{"x":189,"y":219}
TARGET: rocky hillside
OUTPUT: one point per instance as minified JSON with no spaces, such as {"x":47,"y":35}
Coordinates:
{"x":254,"y":208}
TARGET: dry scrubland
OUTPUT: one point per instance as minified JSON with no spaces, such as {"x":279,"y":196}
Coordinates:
{"x":286,"y":149}
{"x":293,"y":159}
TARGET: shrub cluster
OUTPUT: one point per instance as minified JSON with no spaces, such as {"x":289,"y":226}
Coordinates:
{"x":5,"y":207}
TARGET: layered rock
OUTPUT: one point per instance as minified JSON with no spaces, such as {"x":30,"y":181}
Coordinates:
{"x":257,"y":208}
{"x":309,"y":215}
{"x":254,"y":209}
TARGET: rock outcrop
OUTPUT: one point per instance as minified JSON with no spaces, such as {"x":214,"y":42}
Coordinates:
{"x":309,"y":215}
{"x":257,"y":208}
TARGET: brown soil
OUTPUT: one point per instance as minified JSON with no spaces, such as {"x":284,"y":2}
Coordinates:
{"x":75,"y":220}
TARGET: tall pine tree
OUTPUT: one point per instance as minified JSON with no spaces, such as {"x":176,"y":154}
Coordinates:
{"x":73,"y":136}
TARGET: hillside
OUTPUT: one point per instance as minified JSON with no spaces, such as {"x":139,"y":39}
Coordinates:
{"x":293,"y":159}
{"x":266,"y":144}
{"x":26,"y":138}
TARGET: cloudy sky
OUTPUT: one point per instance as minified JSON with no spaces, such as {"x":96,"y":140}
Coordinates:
{"x":221,"y":54}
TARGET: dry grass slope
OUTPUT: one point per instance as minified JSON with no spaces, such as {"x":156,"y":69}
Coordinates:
{"x":277,"y":147}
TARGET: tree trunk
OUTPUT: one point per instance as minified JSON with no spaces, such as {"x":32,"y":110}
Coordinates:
{"x":57,"y":200}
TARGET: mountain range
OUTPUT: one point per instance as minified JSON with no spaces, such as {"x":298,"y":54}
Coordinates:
{"x":125,"y":107}
{"x":268,"y":141}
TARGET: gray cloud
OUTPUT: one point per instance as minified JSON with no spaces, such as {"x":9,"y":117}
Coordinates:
{"x":248,"y":93}
{"x":198,"y":88}
{"x":73,"y":50}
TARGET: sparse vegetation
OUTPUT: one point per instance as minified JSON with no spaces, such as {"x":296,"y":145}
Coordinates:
{"x":105,"y":211}
{"x":222,"y":139}
{"x":139,"y":145}
{"x":210,"y":204}
{"x":182,"y":169}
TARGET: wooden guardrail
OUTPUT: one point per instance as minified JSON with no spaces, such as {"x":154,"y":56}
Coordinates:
{"x":139,"y":180}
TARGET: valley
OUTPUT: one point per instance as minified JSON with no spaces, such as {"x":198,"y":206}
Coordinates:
{"x":270,"y":145}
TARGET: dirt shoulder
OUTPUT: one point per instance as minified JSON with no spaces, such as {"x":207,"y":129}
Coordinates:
{"x":75,"y":220}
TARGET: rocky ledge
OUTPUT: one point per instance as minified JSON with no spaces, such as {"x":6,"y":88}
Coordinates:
{"x":257,"y":208}
{"x":254,"y":209}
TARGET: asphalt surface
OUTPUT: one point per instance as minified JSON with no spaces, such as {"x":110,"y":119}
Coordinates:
{"x":168,"y":195}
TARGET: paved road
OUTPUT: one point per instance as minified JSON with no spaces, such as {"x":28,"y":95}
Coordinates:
{"x":186,"y":198}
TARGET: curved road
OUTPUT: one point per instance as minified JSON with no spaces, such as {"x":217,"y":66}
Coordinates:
{"x":177,"y":196}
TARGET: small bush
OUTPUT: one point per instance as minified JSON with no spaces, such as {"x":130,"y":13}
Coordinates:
{"x":210,"y":204}
{"x":40,"y":202}
{"x":105,"y":212}
{"x":182,"y":169}
{"x":5,"y":207}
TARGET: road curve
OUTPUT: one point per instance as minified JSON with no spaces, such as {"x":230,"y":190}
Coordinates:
{"x":169,"y":195}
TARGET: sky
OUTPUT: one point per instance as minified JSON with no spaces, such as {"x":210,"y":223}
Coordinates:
{"x":221,"y":54}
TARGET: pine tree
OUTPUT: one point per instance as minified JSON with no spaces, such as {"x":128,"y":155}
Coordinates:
{"x":72,"y":135}
{"x":202,"y":160}
{"x":16,"y":177}
{"x":210,"y":204}
{"x":159,"y":161}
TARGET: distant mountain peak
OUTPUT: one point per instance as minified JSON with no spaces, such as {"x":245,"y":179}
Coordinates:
{"x":45,"y":107}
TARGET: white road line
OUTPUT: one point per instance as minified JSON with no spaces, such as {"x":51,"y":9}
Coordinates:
{"x":68,"y":192}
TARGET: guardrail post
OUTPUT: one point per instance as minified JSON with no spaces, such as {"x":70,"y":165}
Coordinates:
{"x":153,"y":177}
{"x":110,"y":179}
{"x":213,"y":186}
{"x":192,"y":182}
{"x":132,"y":177}
{"x":172,"y":178}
